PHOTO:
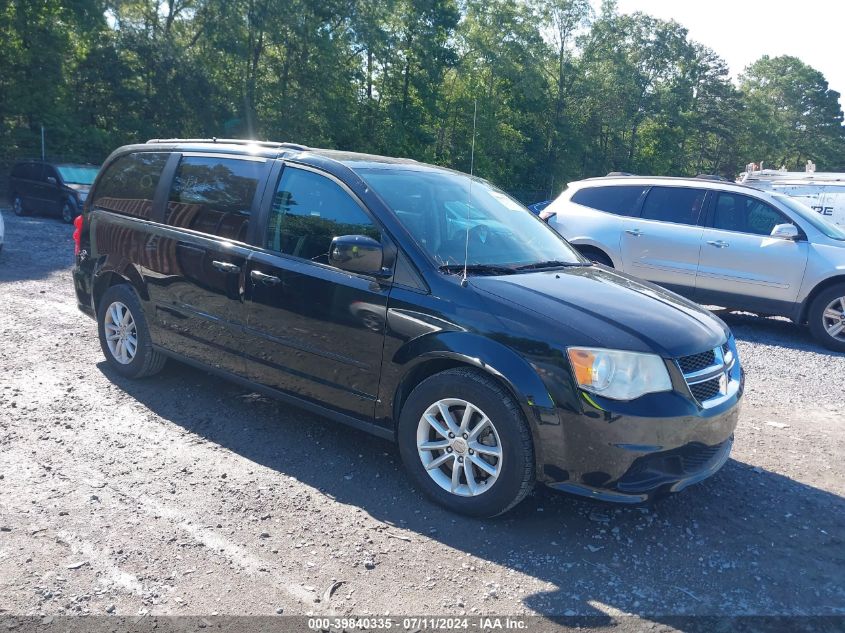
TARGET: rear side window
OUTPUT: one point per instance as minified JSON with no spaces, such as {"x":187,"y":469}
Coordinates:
{"x":621,"y":199}
{"x":744,"y":214}
{"x":309,"y":210}
{"x":129,"y":183}
{"x":214,"y":195}
{"x":680,"y":205}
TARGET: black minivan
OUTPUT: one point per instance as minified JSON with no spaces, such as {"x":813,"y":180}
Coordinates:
{"x":53,"y":188}
{"x":411,"y":301}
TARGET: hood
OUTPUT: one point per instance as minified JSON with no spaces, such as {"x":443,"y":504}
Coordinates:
{"x":84,"y":189}
{"x":608,"y":309}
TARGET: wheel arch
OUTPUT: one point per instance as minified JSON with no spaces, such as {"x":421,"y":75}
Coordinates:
{"x":584,"y":245}
{"x":815,"y":292}
{"x":432,"y":354}
{"x":109,"y":275}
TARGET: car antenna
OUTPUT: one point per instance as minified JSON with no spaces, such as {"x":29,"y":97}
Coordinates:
{"x":464,"y":281}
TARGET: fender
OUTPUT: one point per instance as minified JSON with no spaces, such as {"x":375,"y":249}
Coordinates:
{"x":466,"y":348}
{"x":586,"y":241}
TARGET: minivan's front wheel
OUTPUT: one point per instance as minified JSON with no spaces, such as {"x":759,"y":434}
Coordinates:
{"x":124,"y":335}
{"x":827,"y":318}
{"x":466,"y":443}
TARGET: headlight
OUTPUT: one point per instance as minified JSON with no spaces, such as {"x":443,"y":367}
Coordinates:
{"x":618,"y":375}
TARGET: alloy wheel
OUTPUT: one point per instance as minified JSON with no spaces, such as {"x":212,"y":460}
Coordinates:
{"x":121,"y":333}
{"x":459,"y":447}
{"x":833,"y":319}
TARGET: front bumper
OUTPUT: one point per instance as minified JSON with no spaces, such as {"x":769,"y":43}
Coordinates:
{"x":632,"y":453}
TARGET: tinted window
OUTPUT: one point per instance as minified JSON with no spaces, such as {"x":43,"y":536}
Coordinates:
{"x":621,"y":200}
{"x":674,"y":204}
{"x":50,"y":172}
{"x":308,"y":211}
{"x":744,"y":214}
{"x":129,"y":183}
{"x":214,"y":195}
{"x":19,"y":171}
{"x":30,"y":171}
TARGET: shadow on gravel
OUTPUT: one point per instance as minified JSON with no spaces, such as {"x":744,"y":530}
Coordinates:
{"x":777,"y":331}
{"x":34,"y":247}
{"x":746,"y":541}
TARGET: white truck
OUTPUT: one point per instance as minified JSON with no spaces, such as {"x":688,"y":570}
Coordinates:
{"x":824,"y":192}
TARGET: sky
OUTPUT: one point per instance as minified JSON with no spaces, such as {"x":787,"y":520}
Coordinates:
{"x":742,"y":31}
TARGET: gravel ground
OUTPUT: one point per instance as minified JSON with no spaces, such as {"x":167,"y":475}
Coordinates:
{"x":184,"y":494}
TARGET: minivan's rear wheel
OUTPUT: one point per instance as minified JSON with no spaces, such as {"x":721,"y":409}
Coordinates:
{"x":68,"y":211}
{"x":17,"y":206}
{"x":124,"y":335}
{"x":827,"y":317}
{"x":466,"y":443}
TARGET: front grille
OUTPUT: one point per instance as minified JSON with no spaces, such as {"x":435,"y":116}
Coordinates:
{"x":709,"y":374}
{"x":697,"y":362}
{"x":703,"y":391}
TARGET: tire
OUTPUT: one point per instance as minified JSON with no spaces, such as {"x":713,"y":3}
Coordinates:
{"x":514,"y":468}
{"x":68,"y":211}
{"x":597,"y":257}
{"x":145,"y":361}
{"x":17,"y":206}
{"x":824,"y":310}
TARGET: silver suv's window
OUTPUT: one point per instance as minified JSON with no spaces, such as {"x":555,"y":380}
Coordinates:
{"x":680,"y":205}
{"x":812,"y":217}
{"x":744,"y":214}
{"x":618,"y":199}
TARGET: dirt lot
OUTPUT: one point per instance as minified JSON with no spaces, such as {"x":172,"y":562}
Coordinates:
{"x":184,"y":494}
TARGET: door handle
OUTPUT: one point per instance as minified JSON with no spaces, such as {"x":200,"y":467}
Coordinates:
{"x":634,"y":232}
{"x":267,"y":280}
{"x":718,"y":243}
{"x":225,"y":267}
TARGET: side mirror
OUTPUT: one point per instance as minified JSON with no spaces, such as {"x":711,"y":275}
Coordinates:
{"x":785,"y":231}
{"x":51,"y":180}
{"x":357,"y":254}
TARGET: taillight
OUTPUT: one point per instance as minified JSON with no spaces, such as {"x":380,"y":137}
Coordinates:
{"x":77,"y":234}
{"x":546,"y":214}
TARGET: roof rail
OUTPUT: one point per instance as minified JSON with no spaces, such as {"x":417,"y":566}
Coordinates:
{"x":230,"y":141}
{"x":619,"y":173}
{"x":712,"y":177}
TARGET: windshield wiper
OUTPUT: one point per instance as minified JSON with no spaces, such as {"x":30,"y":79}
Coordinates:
{"x":552,"y":263}
{"x":483,"y":269}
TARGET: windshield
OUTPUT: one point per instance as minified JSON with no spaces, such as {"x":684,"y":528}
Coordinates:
{"x":490,"y":229}
{"x":812,"y":217}
{"x":77,"y":174}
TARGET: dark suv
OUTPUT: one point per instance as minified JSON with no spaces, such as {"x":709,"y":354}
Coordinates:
{"x":53,"y":188}
{"x":413,"y":302}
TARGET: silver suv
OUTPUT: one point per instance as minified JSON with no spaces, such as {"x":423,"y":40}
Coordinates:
{"x":716,"y":242}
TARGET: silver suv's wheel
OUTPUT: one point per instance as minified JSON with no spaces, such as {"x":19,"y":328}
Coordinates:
{"x":466,"y":444}
{"x":834,"y":318}
{"x":459,"y":447}
{"x":827,"y":317}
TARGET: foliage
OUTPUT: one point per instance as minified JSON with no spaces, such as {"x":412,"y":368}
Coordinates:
{"x":561,"y":92}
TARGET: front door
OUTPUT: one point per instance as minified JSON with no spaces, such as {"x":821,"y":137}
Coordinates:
{"x":315,"y":331}
{"x":662,"y":245}
{"x":741,"y":265}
